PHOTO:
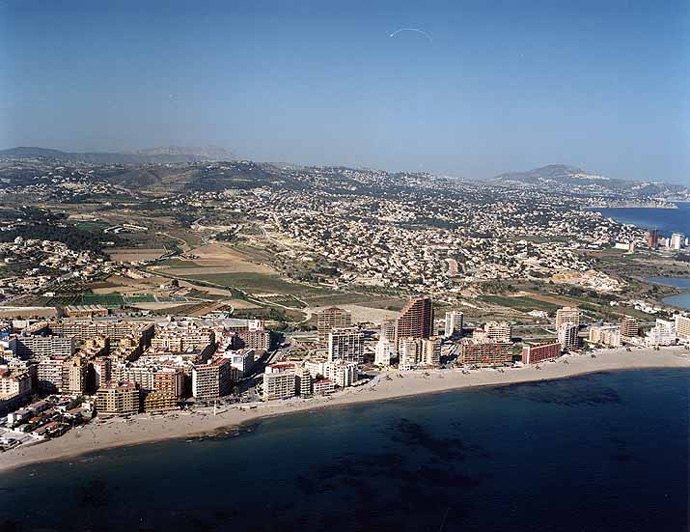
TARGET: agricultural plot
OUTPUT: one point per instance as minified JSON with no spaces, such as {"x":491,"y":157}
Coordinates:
{"x":524,"y":304}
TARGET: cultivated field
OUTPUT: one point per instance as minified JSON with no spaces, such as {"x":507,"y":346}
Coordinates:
{"x":134,"y":254}
{"x":212,"y":259}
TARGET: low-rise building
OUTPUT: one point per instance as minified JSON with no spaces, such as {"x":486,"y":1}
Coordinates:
{"x":536,"y":353}
{"x":484,"y":352}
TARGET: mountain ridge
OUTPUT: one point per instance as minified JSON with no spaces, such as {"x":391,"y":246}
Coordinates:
{"x":166,"y":154}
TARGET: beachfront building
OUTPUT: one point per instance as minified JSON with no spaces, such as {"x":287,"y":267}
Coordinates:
{"x":609,"y":335}
{"x":213,"y":380}
{"x":118,"y":399}
{"x":567,"y":315}
{"x":663,"y":333}
{"x":416,"y":353}
{"x":682,"y":327}
{"x":416,"y":320}
{"x":156,"y":401}
{"x":346,"y":344}
{"x":343,"y":374}
{"x":280,"y":381}
{"x":629,"y":327}
{"x":324,"y":387}
{"x":568,"y":336}
{"x":385,"y":352}
{"x":484,"y":352}
{"x":332,"y":318}
{"x":304,"y":381}
{"x":536,"y":353}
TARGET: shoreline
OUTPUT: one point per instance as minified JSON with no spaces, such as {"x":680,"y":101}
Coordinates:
{"x":144,"y":429}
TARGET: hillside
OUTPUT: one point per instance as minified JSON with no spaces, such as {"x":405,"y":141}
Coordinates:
{"x":170,"y":154}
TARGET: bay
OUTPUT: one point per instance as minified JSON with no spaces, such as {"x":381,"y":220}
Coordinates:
{"x":679,"y":300}
{"x":603,"y":451}
{"x":667,"y":221}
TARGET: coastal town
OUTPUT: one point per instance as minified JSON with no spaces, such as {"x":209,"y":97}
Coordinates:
{"x":59,"y":375}
{"x":261,"y":289}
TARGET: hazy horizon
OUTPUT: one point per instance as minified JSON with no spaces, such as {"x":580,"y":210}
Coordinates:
{"x":494,"y":87}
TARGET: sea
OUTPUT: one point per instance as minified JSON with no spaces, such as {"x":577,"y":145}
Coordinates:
{"x":667,"y":221}
{"x":605,"y":451}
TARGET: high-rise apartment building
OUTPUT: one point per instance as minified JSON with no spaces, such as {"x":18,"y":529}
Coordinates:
{"x":74,"y":375}
{"x":663,"y":333}
{"x":454,"y":323}
{"x":567,"y":315}
{"x":416,"y":320}
{"x":388,"y":330}
{"x":609,"y":335}
{"x":682,"y":327}
{"x":568,"y":336}
{"x":652,"y":238}
{"x":213,"y":380}
{"x":37,"y":346}
{"x":332,"y":318}
{"x":629,"y":327}
{"x":118,"y":399}
{"x":499,"y":331}
{"x":169,"y":380}
{"x":343,"y":374}
{"x":419,"y":352}
{"x":49,"y":374}
{"x":280,"y":381}
{"x":676,"y":241}
{"x":346,"y":344}
{"x":385,"y":352}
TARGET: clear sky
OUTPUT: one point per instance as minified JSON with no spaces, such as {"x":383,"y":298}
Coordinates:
{"x":510,"y":85}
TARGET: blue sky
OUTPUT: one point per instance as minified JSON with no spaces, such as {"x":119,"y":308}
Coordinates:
{"x":503,"y":86}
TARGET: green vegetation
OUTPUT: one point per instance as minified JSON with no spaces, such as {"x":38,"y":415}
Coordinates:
{"x":177,"y":263}
{"x":141,"y":298}
{"x":257,"y":283}
{"x":524,"y":304}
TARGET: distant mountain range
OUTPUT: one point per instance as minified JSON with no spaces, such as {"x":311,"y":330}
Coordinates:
{"x":169,"y":154}
{"x":572,"y":179}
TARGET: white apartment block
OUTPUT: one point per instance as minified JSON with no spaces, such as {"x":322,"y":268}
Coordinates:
{"x":343,"y":374}
{"x":567,"y":315}
{"x":663,"y":333}
{"x":346,"y":344}
{"x":280,"y":381}
{"x":568,"y":337}
{"x":683,"y":327}
{"x":454,"y":323}
{"x":499,"y":331}
{"x":385,"y":351}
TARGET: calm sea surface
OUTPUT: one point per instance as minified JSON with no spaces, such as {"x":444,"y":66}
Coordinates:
{"x":597,"y":452}
{"x":667,"y":221}
{"x":680,"y":300}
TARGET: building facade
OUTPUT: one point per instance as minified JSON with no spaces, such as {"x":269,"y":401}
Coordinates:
{"x":536,"y":353}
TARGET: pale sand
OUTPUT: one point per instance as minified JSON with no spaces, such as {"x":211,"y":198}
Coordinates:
{"x":142,"y":429}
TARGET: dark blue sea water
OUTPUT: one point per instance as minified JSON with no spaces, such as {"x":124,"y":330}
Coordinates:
{"x":680,"y":300}
{"x":597,"y":452}
{"x":667,"y":221}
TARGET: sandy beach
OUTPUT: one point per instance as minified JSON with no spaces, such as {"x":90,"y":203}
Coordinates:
{"x":390,"y":385}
